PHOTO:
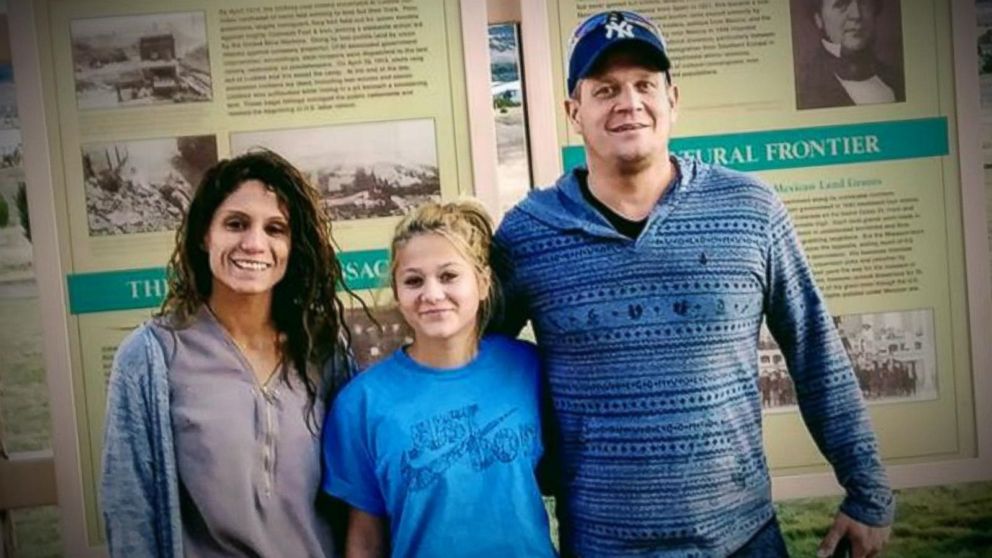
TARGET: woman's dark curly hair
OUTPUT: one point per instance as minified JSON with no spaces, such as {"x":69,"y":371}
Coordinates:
{"x":305,"y":306}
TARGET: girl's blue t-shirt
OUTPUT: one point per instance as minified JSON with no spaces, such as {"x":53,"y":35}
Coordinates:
{"x":448,"y":456}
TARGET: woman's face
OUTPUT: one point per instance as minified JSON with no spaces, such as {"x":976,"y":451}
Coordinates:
{"x":248,"y":241}
{"x":438,"y":290}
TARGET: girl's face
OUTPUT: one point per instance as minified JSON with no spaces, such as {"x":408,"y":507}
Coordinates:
{"x":438,"y":290}
{"x":248,"y":241}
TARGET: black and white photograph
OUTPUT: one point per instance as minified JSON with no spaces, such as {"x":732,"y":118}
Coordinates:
{"x":144,"y":185}
{"x":893,"y":356}
{"x":847,"y":53}
{"x":373,"y":169}
{"x":374,"y":340}
{"x":140,"y":60}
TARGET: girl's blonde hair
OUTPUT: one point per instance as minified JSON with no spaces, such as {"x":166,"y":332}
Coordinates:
{"x":465,"y":224}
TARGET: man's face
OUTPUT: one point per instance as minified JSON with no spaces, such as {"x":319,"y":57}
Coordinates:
{"x":848,"y":23}
{"x":624,"y":113}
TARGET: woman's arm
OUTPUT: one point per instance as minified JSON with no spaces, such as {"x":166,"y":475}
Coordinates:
{"x":366,"y":535}
{"x":134,"y":488}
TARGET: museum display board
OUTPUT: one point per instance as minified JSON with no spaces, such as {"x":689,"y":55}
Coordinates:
{"x":367,"y":99}
{"x":873,"y":189}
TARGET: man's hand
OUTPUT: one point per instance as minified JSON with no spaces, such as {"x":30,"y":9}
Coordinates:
{"x":866,"y":541}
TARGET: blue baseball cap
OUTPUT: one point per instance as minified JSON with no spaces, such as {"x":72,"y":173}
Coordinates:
{"x":600,"y":32}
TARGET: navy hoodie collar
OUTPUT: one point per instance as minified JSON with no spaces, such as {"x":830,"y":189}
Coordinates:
{"x":564,"y":208}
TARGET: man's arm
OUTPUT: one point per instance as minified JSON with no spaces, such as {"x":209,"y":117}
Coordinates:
{"x":856,"y":539}
{"x":826,"y":388}
{"x":513,"y":312}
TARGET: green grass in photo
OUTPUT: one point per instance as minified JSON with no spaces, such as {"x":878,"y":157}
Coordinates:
{"x":953,"y":521}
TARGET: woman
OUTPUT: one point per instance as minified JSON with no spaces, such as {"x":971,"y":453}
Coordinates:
{"x":213,"y":409}
{"x":435,"y":448}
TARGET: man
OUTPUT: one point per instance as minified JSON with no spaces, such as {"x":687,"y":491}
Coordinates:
{"x":646,"y":277}
{"x":842,"y":70}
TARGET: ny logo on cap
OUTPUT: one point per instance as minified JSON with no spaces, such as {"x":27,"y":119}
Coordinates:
{"x":618,"y":28}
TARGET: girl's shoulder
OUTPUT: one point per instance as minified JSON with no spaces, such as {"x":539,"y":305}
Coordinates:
{"x":508,"y":353}
{"x":504,"y":346}
{"x":370,"y":378}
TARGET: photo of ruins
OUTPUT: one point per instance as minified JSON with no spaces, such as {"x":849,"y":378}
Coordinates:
{"x":141,"y":60}
{"x":365,"y":170}
{"x":145,"y":185}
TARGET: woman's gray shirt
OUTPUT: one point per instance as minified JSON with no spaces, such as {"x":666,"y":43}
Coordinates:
{"x":248,"y":466}
{"x":140,"y":486}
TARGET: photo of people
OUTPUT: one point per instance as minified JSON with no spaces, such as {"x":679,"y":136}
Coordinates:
{"x":145,"y":185}
{"x":141,"y":60}
{"x":892,"y":353}
{"x":847,"y":52}
{"x":372,"y":169}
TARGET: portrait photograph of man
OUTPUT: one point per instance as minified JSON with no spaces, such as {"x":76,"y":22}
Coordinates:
{"x":847,"y":52}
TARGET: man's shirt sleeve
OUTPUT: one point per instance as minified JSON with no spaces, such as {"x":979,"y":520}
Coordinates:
{"x":829,"y":397}
{"x":512,"y":314}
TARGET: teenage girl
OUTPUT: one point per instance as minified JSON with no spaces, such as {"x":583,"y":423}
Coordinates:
{"x":435,"y":447}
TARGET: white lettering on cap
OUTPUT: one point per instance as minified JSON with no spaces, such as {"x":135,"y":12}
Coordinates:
{"x":619,"y":30}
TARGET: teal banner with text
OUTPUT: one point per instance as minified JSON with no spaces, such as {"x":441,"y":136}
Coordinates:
{"x":131,"y":289}
{"x":808,"y":147}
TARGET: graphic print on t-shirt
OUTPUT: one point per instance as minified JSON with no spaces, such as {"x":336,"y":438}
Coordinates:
{"x":460,"y":438}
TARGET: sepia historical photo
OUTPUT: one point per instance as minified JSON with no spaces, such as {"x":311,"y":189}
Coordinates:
{"x":847,"y":52}
{"x":141,"y":60}
{"x":893,"y":356}
{"x":374,"y":169}
{"x":144,"y":185}
{"x":374,"y":340}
